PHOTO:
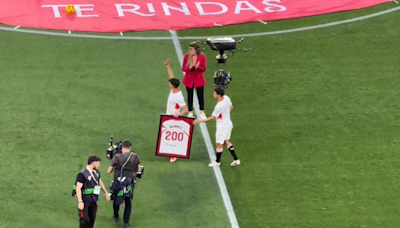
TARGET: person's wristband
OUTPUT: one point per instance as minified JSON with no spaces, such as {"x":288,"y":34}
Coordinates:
{"x":80,"y":202}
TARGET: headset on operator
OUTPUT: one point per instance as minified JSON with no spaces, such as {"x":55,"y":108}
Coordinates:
{"x":222,"y":79}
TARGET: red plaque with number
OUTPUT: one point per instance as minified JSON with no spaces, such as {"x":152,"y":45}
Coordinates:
{"x":174,"y":136}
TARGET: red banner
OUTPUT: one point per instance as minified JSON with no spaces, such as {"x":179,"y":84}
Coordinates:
{"x":174,"y":136}
{"x":128,"y":15}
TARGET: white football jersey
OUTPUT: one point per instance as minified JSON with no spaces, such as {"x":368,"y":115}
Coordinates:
{"x":175,"y":102}
{"x":174,"y":137}
{"x":222,"y":112}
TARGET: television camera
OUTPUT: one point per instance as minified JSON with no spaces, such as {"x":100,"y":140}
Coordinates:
{"x":222,"y":79}
{"x":115,"y":149}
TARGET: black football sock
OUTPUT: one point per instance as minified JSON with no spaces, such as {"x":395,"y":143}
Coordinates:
{"x":232,"y":150}
{"x":219,"y":157}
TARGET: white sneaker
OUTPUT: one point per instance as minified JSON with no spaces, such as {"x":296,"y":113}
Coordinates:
{"x":190,"y":114}
{"x":235,"y":163}
{"x":214,"y":164}
{"x":203,"y":116}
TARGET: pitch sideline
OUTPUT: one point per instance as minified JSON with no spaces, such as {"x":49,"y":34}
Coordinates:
{"x":209,"y":145}
{"x":203,"y":37}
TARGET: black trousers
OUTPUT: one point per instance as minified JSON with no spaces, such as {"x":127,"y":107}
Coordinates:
{"x":200,"y":95}
{"x":127,"y":211}
{"x":87,"y":216}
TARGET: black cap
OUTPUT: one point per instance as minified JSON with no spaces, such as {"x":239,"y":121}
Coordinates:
{"x":92,"y":159}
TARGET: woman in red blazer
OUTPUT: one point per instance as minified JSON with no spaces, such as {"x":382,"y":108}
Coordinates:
{"x":194,"y":66}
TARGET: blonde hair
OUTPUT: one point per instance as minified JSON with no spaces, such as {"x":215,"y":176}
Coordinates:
{"x":189,"y":60}
{"x":196,"y":47}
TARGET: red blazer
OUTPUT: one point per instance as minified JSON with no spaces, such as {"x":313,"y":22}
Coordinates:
{"x":194,"y":76}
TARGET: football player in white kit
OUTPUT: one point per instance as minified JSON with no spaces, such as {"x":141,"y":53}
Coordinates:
{"x":222,"y":114}
{"x":176,"y":103}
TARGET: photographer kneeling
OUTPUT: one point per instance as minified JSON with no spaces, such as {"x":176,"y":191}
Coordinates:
{"x":126,"y":167}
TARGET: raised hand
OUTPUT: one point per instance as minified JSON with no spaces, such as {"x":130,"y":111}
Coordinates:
{"x":166,"y":63}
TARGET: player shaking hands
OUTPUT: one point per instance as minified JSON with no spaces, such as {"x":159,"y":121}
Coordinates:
{"x":222,"y":114}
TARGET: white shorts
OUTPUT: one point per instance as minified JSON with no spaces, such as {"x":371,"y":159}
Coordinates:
{"x":223,"y":134}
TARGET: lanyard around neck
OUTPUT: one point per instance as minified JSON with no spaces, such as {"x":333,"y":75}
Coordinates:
{"x":91,"y":174}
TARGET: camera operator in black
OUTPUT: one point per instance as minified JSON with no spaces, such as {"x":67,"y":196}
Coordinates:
{"x":87,"y":189}
{"x":125,"y":165}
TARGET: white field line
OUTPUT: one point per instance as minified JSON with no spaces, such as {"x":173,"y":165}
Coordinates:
{"x":204,"y":37}
{"x":209,"y":145}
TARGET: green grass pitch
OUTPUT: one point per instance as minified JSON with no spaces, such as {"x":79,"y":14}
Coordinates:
{"x":317,"y":125}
